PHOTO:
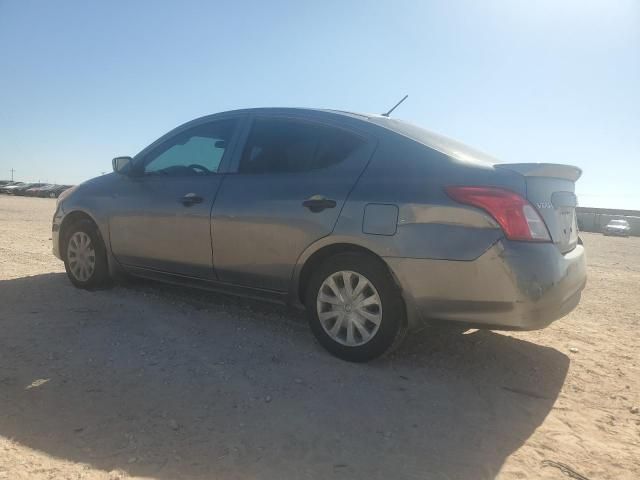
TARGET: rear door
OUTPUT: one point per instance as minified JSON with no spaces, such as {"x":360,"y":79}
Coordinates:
{"x":290,"y":183}
{"x":551,"y":189}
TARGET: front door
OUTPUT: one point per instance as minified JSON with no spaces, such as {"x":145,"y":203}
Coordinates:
{"x":291,"y":182}
{"x":162,"y":213}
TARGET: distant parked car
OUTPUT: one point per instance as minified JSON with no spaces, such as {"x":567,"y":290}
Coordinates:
{"x":35,"y":191}
{"x":619,"y":227}
{"x":10,"y":186}
{"x":22,"y":190}
{"x":43,"y":191}
{"x":376,"y":225}
{"x":55,"y":191}
{"x":46,"y":191}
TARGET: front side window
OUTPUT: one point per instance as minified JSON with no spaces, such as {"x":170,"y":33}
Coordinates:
{"x":289,"y":146}
{"x":197,"y":151}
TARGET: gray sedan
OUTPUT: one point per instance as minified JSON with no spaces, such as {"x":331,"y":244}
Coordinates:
{"x":378,"y":227}
{"x":619,"y":227}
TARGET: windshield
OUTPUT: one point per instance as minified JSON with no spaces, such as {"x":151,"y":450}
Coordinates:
{"x":622,"y":223}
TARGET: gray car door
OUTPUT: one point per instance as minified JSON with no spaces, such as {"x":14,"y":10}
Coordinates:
{"x":291,"y":180}
{"x":161,"y":214}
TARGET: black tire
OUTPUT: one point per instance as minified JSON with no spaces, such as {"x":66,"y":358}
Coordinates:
{"x":100,"y":277}
{"x":393,"y":324}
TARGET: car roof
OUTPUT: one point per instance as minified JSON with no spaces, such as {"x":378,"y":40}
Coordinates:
{"x":441,"y":143}
{"x":296,"y":111}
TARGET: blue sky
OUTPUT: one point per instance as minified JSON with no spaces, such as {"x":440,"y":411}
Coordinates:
{"x":550,"y":81}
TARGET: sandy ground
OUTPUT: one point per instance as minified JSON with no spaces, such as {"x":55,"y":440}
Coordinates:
{"x":151,"y":381}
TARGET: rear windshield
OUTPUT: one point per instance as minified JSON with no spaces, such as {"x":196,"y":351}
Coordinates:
{"x":619,"y":222}
{"x":438,"y":142}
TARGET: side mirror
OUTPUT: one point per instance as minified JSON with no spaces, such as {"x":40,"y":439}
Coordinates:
{"x":122,"y":165}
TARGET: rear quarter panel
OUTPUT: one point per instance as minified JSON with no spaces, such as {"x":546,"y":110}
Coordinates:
{"x":412,"y":177}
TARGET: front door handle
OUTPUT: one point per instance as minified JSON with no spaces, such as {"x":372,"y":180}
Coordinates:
{"x":317,"y":203}
{"x":191,"y":199}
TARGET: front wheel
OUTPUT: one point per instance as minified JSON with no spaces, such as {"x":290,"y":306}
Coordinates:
{"x":85,"y":257}
{"x":355,"y":309}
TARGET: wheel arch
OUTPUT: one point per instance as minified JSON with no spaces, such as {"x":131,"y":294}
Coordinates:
{"x":70,"y":219}
{"x":313,"y":257}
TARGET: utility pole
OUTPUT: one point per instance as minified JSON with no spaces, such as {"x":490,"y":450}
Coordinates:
{"x":12,"y":170}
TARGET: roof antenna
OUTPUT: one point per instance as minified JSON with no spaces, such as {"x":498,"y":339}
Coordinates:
{"x":395,"y":106}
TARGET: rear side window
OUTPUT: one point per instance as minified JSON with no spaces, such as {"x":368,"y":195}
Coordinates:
{"x":289,"y":146}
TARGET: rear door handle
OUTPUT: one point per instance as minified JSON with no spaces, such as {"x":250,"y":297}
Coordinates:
{"x":191,"y":199}
{"x":317,"y":203}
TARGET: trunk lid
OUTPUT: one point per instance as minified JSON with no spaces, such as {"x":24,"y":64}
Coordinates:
{"x":551,"y":190}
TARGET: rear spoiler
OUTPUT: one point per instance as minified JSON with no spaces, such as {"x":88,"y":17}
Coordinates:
{"x":553,"y":170}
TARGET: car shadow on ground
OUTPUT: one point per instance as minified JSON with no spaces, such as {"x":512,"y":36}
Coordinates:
{"x":167,"y":384}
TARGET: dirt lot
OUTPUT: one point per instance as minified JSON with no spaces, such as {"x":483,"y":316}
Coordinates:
{"x":145,"y":380}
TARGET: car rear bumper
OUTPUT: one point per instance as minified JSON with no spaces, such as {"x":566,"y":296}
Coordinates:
{"x":512,"y":286}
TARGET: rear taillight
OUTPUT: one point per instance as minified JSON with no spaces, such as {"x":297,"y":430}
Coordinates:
{"x":517,"y":217}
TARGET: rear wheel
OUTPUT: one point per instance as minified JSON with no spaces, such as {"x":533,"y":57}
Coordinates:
{"x":355,"y":309}
{"x":85,"y":257}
